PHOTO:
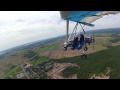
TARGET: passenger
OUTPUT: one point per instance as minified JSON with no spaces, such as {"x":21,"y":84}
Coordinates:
{"x":80,"y":42}
{"x":73,"y":43}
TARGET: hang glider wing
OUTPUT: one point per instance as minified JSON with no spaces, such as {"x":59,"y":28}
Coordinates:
{"x":85,"y":17}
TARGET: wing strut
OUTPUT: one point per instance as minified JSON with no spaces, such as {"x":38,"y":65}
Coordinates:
{"x":75,"y":28}
{"x":82,"y":28}
{"x":67,"y":29}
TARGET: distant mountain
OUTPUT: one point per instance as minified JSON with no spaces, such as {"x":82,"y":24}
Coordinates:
{"x":32,"y":44}
{"x":104,"y":30}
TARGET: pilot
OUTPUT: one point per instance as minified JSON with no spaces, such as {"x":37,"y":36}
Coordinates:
{"x":81,"y":38}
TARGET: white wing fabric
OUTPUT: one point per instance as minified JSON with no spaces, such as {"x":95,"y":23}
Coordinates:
{"x":85,"y":17}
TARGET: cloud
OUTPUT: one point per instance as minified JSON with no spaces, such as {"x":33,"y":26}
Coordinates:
{"x":109,"y":21}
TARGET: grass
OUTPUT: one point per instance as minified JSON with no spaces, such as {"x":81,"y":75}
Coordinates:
{"x":70,"y":71}
{"x":18,"y":70}
{"x":8,"y":65}
{"x":24,"y":77}
{"x":115,"y":39}
{"x":101,"y":43}
{"x":55,"y":46}
{"x":18,"y":53}
{"x":39,"y":50}
{"x":13,"y":76}
{"x":52,"y":46}
{"x":39,"y":60}
{"x":12,"y":70}
{"x":96,"y":63}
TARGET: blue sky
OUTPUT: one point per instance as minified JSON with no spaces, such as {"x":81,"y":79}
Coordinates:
{"x":20,"y":27}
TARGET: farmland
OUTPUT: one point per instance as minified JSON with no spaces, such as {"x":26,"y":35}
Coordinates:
{"x":39,"y":58}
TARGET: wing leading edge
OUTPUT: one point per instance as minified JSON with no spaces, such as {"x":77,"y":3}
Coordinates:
{"x":85,"y":17}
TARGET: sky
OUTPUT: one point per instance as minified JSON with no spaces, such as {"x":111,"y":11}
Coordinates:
{"x":21,"y":27}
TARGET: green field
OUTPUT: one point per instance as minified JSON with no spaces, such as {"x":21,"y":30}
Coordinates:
{"x":38,"y":60}
{"x":70,"y":71}
{"x":18,"y":70}
{"x":24,"y":77}
{"x":52,"y":46}
{"x":97,"y":63}
{"x":12,"y":70}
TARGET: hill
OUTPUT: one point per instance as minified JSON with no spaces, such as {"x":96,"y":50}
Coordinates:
{"x":108,"y":30}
